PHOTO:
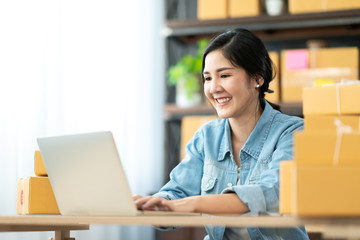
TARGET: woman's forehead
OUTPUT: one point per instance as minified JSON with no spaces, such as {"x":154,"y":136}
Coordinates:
{"x":216,"y":59}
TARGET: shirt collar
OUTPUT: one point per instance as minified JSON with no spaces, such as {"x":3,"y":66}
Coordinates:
{"x":225,"y":146}
{"x":255,"y":142}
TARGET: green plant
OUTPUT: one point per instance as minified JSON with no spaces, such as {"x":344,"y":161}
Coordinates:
{"x":188,"y":69}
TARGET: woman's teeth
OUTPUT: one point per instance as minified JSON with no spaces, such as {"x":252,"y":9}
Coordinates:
{"x":222,"y":100}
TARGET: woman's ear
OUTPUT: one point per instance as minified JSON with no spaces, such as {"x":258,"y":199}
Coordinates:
{"x":259,"y":81}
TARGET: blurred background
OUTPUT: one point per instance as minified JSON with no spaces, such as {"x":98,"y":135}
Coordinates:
{"x":81,"y":66}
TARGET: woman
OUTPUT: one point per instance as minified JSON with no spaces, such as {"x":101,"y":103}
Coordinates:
{"x":232,"y":163}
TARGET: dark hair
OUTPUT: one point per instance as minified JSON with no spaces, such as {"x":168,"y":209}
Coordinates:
{"x":243,"y":49}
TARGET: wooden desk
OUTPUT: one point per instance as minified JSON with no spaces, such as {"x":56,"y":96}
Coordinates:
{"x":62,"y":225}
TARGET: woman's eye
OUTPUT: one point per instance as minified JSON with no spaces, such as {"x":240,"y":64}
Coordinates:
{"x":225,"y":75}
{"x":207,"y":78}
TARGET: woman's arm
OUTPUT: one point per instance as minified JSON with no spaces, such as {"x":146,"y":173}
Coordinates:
{"x":210,"y":204}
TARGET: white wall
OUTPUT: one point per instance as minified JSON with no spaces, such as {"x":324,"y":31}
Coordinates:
{"x":69,"y":66}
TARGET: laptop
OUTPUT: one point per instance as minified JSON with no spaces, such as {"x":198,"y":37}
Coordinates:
{"x":87,"y":176}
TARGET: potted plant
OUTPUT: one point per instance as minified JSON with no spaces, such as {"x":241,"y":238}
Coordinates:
{"x":186,"y":76}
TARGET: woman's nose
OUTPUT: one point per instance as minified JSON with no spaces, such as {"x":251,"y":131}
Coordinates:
{"x":215,"y":86}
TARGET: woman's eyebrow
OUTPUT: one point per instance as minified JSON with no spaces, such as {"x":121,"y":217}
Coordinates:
{"x":220,"y":69}
{"x":224,"y":68}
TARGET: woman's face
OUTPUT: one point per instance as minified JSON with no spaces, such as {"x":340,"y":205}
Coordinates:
{"x":229,"y":88}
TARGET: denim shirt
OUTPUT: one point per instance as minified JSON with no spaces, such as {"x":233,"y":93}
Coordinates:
{"x":209,"y":168}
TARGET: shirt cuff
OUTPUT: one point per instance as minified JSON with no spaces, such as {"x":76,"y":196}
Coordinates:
{"x":165,"y":195}
{"x":251,"y":195}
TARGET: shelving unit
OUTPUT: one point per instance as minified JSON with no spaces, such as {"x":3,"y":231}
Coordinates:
{"x":341,"y":28}
{"x":182,"y":30}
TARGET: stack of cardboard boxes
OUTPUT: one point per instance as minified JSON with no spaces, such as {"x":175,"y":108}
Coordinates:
{"x":35,"y":195}
{"x":324,"y":176}
{"x":221,"y":9}
{"x":301,"y":6}
{"x":310,"y":67}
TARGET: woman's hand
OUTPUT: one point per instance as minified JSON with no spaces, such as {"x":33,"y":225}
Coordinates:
{"x":161,"y":204}
{"x":228,"y":203}
{"x":150,"y":203}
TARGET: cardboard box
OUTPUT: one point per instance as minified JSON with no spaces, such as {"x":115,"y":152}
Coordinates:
{"x":326,"y":123}
{"x":39,"y":166}
{"x":325,"y":191}
{"x":275,"y":83}
{"x":244,"y":8}
{"x":327,"y":149}
{"x":301,"y":6}
{"x":285,"y":195}
{"x":332,"y":99}
{"x":212,"y":9}
{"x":291,"y":93}
{"x":189,"y":125}
{"x":303,"y":67}
{"x":337,"y":57}
{"x":336,"y":5}
{"x":35,"y":196}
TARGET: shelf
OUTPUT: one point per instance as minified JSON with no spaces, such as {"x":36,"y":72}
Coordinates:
{"x":173,"y":112}
{"x":342,"y":21}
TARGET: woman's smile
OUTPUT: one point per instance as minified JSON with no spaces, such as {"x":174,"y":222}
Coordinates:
{"x":223,"y":100}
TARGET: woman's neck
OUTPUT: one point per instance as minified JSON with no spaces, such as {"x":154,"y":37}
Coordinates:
{"x":242,"y":127}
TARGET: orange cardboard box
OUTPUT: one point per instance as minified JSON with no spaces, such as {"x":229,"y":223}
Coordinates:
{"x":212,"y":9}
{"x":39,"y":166}
{"x":337,"y":57}
{"x":301,"y":6}
{"x":327,"y":123}
{"x":325,"y":191}
{"x":332,"y":99}
{"x":244,"y":8}
{"x":189,"y":125}
{"x":285,"y":195}
{"x":275,"y":83}
{"x":327,"y":149}
{"x":35,"y":196}
{"x":336,"y":5}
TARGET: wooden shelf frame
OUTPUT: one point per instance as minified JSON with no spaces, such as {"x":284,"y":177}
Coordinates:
{"x":345,"y":22}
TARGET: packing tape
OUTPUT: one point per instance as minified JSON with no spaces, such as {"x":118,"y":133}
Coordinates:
{"x":338,"y":85}
{"x":340,"y":130}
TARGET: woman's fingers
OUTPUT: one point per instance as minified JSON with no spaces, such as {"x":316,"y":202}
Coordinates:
{"x":140,"y":201}
{"x":136,"y":197}
{"x":149,"y":203}
{"x":156,"y":203}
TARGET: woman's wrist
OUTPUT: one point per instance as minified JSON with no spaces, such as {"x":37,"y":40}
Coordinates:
{"x":196,"y":202}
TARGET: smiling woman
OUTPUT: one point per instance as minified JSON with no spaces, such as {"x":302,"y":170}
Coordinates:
{"x":232,"y":163}
{"x":229,"y":88}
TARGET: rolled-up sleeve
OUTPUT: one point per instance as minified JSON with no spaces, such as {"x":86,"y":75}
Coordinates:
{"x":263,"y":196}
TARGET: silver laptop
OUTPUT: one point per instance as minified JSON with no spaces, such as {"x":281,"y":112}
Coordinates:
{"x":86,"y":175}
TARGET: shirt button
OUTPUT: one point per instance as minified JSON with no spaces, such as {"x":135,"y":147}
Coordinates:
{"x":229,"y":184}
